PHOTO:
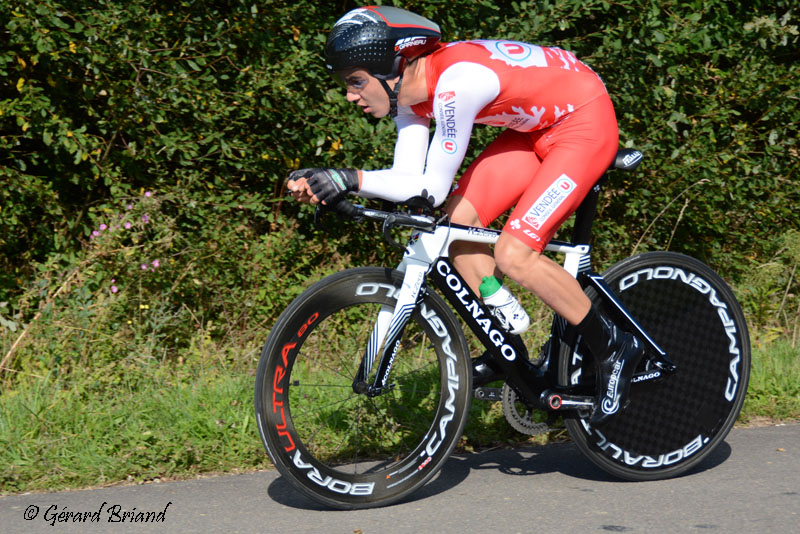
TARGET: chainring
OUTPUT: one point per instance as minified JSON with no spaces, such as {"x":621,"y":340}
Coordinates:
{"x":521,"y":421}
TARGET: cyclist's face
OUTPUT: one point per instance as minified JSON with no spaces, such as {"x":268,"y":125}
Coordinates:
{"x":365,"y":91}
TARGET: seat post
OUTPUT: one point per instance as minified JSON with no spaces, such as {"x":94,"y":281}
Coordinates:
{"x":627,"y":159}
{"x":584,"y":215}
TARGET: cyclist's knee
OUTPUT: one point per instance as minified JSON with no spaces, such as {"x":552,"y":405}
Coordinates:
{"x":514,"y":258}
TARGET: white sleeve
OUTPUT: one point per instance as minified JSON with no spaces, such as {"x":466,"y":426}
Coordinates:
{"x":461,"y":92}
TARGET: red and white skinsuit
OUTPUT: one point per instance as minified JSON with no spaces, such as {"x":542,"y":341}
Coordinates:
{"x":561,"y":135}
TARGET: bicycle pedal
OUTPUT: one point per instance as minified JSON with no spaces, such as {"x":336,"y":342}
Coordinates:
{"x":488,"y":394}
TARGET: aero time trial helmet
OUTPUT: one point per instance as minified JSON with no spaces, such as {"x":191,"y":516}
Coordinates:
{"x":379,"y":39}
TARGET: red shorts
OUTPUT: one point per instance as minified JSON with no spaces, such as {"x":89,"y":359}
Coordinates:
{"x":545,"y":174}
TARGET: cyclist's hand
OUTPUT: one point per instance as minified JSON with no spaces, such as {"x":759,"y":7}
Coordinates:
{"x":299,"y":189}
{"x":328,"y":185}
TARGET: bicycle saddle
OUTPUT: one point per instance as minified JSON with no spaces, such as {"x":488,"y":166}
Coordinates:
{"x":627,"y":159}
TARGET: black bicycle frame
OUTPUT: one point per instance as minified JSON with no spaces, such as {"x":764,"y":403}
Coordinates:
{"x":536,"y":384}
{"x":508,"y":350}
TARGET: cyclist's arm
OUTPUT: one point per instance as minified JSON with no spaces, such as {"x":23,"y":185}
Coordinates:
{"x":409,"y":160}
{"x":461,"y":92}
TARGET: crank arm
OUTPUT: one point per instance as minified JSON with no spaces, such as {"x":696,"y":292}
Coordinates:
{"x":488,"y":394}
{"x":554,"y":401}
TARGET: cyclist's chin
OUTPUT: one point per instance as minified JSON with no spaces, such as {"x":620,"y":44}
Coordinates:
{"x":377,"y":113}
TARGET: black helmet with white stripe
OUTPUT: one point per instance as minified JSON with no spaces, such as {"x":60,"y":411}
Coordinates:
{"x":379,"y":39}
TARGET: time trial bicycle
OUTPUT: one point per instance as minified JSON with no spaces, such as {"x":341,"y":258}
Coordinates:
{"x":365,"y":381}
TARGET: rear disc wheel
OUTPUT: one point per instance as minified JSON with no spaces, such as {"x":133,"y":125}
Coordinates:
{"x":672,"y":424}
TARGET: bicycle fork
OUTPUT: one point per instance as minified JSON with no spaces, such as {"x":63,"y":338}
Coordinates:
{"x":388,"y":331}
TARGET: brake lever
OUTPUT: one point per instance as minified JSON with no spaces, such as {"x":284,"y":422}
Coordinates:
{"x":348,"y":209}
{"x":388,"y":223}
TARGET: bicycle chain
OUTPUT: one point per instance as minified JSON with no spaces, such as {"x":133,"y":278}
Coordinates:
{"x":520,"y":422}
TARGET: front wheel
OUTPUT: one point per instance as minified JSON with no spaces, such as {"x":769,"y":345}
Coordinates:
{"x":356,"y":450}
{"x":672,"y":424}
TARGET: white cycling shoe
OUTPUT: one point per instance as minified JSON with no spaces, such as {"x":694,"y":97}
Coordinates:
{"x":507,"y":309}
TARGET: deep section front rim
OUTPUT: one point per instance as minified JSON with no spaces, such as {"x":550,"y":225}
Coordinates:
{"x":350,"y":450}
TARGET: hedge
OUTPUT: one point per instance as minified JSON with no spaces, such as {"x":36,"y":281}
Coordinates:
{"x":208,"y":105}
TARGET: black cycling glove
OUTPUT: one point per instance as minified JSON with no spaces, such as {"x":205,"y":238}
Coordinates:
{"x":329,"y":185}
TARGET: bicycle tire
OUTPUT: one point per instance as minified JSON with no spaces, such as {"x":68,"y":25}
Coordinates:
{"x":673,"y":424}
{"x":348,"y":450}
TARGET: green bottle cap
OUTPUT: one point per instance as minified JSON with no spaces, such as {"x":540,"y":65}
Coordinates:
{"x":489,"y":286}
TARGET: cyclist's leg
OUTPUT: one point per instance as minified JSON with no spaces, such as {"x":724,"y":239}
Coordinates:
{"x":543,"y":277}
{"x":575,"y":153}
{"x":477,"y":200}
{"x":472,"y":260}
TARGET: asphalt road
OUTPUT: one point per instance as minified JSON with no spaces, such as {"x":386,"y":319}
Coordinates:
{"x":751,"y":483}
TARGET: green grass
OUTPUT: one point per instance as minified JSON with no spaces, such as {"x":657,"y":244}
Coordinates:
{"x":56,"y":435}
{"x":774,"y":389}
{"x":134,"y":421}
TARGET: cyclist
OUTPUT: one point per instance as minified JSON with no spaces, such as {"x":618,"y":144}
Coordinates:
{"x":560,"y":136}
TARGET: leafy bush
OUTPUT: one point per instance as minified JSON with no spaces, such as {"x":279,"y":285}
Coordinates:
{"x":219,"y":101}
{"x":209,"y":105}
{"x":771,"y":292}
